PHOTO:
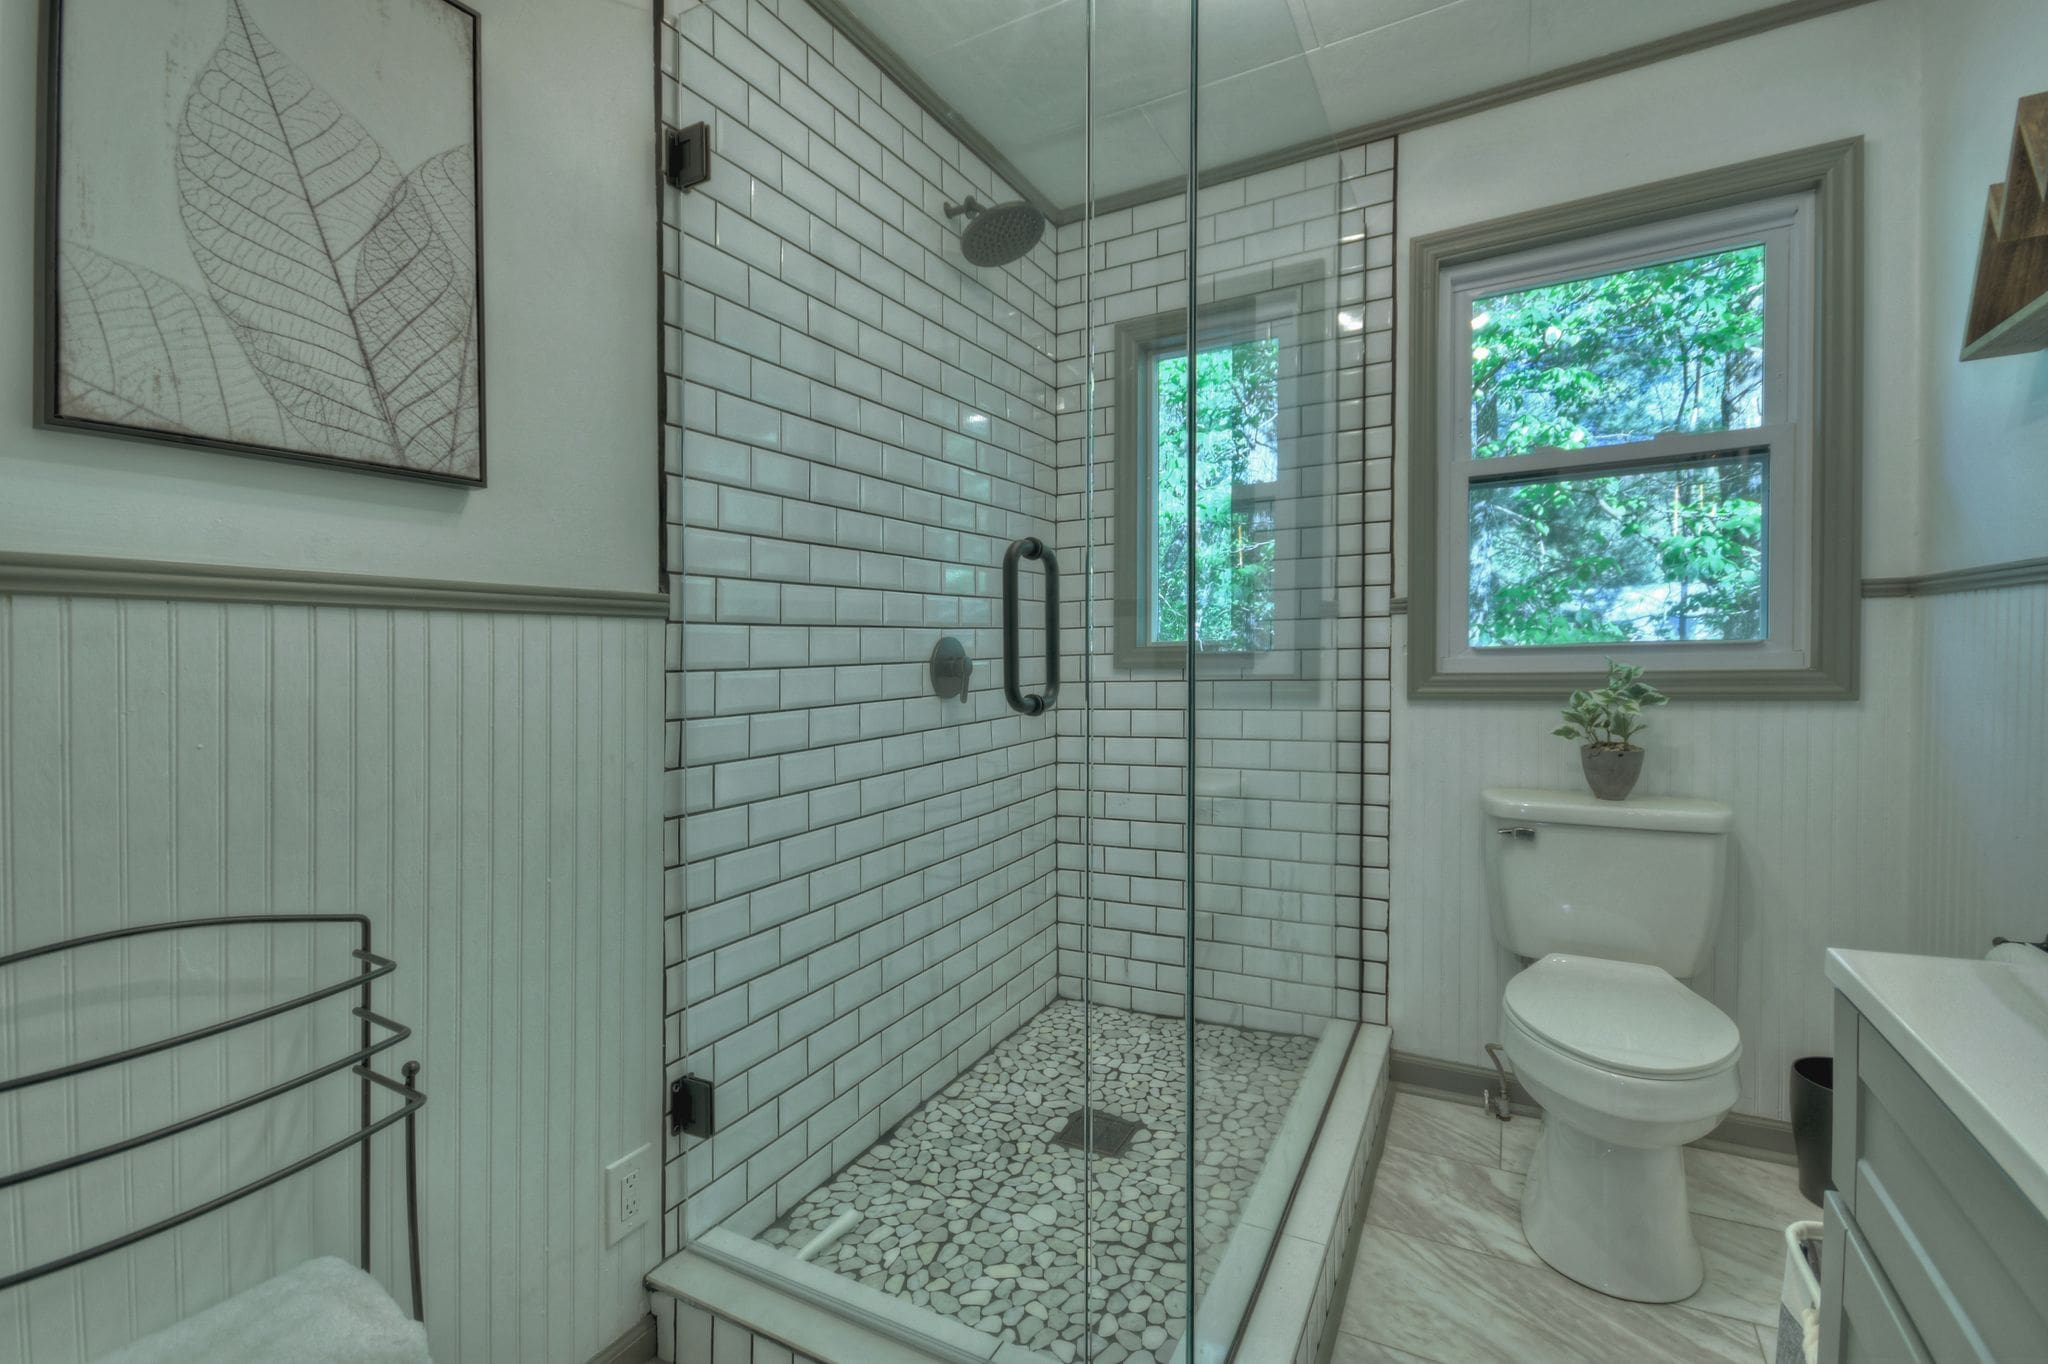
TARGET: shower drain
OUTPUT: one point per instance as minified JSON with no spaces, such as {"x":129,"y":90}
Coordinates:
{"x":1110,"y":1134}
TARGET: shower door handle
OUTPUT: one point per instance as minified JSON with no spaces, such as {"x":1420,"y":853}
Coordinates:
{"x":1031,"y":547}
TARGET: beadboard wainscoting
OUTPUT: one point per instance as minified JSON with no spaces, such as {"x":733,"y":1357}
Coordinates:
{"x":1980,"y":860}
{"x":485,"y":788}
{"x":1821,"y":856}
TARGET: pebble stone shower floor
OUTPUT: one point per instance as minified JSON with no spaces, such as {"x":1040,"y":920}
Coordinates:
{"x":968,"y":1207}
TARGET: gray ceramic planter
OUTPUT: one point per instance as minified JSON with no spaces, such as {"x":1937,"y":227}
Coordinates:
{"x":1611,"y":772}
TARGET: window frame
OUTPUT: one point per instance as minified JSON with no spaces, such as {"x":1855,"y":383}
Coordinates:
{"x":1783,"y":227}
{"x":1808,"y":204}
{"x":1287,"y":304}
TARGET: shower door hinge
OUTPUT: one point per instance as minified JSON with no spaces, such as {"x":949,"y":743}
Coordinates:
{"x":686,"y":155}
{"x":689,"y":1107}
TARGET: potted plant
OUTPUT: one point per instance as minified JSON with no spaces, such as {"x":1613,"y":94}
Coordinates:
{"x":1604,"y":723}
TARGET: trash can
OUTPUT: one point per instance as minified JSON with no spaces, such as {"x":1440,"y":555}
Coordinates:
{"x":1813,"y":1122}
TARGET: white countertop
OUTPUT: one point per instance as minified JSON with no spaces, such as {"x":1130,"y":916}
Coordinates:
{"x":1977,"y":1033}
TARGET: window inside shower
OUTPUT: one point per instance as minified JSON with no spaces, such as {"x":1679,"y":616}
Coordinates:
{"x":1019,"y":1026}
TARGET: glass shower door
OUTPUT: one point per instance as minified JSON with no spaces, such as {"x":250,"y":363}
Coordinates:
{"x":1013,"y":957}
{"x":868,"y":351}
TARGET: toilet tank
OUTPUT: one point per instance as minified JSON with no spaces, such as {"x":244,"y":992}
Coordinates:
{"x":1627,"y":880}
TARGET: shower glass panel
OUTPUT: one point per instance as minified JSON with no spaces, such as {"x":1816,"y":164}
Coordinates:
{"x":1124,"y":906}
{"x":1272,"y":584}
{"x":1019,"y":961}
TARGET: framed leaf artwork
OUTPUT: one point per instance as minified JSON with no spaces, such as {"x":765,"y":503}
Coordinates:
{"x":259,"y":229}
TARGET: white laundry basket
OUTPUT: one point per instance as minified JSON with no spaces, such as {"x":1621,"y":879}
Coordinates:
{"x":1799,"y":1302}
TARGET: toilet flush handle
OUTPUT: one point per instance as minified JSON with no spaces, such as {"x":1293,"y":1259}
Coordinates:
{"x":1516,"y":831}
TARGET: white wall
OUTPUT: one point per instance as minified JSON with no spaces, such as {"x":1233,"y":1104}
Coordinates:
{"x":570,"y":383}
{"x":1819,"y":788}
{"x":1987,"y":421}
{"x":485,"y":788}
{"x":1979,"y":860}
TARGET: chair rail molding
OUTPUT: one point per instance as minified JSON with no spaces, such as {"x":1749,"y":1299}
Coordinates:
{"x":65,"y":575}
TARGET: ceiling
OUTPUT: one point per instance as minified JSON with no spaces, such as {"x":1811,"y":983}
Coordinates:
{"x":1275,"y":74}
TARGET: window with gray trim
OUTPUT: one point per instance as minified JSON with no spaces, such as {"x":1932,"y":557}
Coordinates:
{"x":1633,"y":433}
{"x":1259,"y":377}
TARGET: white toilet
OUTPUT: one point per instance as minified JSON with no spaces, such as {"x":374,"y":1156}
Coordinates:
{"x":1613,"y":903}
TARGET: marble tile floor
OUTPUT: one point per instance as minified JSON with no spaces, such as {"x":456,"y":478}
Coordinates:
{"x":970,"y":1209}
{"x":1444,"y":1274}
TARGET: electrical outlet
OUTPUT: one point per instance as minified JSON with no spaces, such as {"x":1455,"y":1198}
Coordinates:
{"x":628,"y":1195}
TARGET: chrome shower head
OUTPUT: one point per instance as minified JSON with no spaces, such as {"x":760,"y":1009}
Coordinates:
{"x":999,"y":235}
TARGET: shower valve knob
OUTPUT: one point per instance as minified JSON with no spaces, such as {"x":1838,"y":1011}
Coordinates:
{"x":951,"y":669}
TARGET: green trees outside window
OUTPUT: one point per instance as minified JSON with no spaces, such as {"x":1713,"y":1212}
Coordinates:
{"x":1236,"y":447}
{"x":1671,"y":551}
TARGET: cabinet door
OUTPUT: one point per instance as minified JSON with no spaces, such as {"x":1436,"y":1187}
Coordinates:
{"x":1861,"y":1319}
{"x":1957,"y":1242}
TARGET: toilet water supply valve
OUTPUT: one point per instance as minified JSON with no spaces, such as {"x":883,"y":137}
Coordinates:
{"x":1497,"y":1101}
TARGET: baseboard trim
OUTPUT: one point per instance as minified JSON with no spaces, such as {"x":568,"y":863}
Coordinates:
{"x":1744,"y":1135}
{"x":637,"y":1346}
{"x":1739,"y":1133}
{"x":1454,"y":1080}
{"x":65,"y":575}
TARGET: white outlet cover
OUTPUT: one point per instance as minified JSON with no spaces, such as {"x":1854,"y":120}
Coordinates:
{"x":629,"y":1195}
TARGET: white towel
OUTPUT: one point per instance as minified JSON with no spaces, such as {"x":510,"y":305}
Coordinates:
{"x":326,"y":1311}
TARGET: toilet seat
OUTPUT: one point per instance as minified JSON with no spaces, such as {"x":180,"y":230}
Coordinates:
{"x":1622,"y":1017}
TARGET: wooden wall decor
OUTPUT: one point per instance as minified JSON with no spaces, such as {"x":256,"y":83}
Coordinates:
{"x":2009,"y":302}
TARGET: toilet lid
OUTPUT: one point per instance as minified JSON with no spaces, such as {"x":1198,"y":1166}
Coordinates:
{"x":1622,"y":1016}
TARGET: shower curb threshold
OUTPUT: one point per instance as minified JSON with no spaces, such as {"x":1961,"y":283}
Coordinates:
{"x":1300,"y":1298}
{"x":808,"y":1328}
{"x":824,"y":1316}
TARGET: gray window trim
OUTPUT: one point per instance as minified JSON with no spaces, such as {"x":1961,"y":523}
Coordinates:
{"x":1217,"y":320}
{"x":1833,"y":174}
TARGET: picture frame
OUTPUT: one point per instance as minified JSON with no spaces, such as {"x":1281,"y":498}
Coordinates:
{"x":232,"y":256}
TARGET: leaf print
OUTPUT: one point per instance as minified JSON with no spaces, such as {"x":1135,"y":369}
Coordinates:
{"x":279,"y":186}
{"x":447,"y":184}
{"x":416,"y":310}
{"x":141,"y":350}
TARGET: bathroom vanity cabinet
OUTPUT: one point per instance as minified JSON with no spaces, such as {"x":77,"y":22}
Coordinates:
{"x":1936,"y":1243}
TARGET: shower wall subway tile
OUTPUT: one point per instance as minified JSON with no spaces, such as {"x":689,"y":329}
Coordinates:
{"x":1292,"y":751}
{"x":868,"y":888}
{"x":861,"y":878}
{"x":688,"y":1333}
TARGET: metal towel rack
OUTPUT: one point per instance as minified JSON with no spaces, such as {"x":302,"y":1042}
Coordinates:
{"x":357,"y":1063}
{"x":1031,"y":547}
